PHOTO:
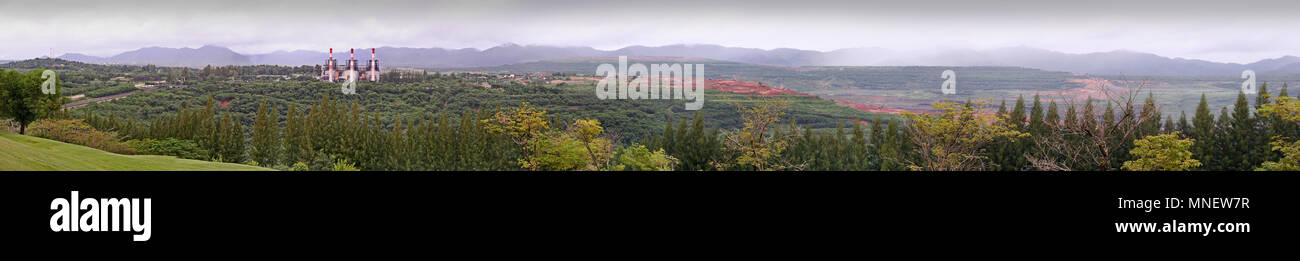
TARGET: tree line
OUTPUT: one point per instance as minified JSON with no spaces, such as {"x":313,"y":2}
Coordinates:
{"x":1115,"y":133}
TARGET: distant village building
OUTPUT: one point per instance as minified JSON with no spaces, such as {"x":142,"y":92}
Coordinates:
{"x":333,"y":73}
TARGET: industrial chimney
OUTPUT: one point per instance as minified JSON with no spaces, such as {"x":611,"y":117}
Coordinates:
{"x":352,"y":64}
{"x":373,"y":74}
{"x":330,"y":72}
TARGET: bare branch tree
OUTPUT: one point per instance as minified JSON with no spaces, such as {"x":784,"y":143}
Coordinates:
{"x":1087,"y":146}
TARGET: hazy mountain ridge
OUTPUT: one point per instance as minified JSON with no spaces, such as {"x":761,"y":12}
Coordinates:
{"x":1113,"y":62}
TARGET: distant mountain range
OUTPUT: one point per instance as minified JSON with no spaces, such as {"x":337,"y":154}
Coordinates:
{"x":1114,"y":62}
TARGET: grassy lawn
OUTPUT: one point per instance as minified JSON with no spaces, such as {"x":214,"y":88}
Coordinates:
{"x":19,"y":152}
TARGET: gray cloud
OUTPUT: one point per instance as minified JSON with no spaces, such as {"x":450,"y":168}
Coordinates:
{"x":1233,"y":31}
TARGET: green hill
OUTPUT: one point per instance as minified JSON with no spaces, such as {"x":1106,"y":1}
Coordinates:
{"x":19,"y":152}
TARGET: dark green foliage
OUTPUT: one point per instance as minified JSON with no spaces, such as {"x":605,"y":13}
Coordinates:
{"x":21,"y":98}
{"x":185,"y":149}
{"x":423,"y":121}
{"x":266,"y":136}
{"x":1009,"y":155}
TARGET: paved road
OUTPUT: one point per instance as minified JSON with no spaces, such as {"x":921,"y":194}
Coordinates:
{"x":105,"y":98}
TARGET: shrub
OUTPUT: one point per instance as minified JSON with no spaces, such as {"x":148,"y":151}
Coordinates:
{"x":344,"y":165}
{"x":1167,"y":152}
{"x":299,"y":167}
{"x":185,"y":149}
{"x":637,"y":157}
{"x":76,"y":131}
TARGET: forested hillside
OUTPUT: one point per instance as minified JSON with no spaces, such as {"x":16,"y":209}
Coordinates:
{"x":281,"y":118}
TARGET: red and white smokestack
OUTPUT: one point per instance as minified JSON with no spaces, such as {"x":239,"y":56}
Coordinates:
{"x":373,"y":74}
{"x":331,"y":53}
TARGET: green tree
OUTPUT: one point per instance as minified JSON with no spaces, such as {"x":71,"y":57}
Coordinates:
{"x":955,"y":138}
{"x":588,"y":131}
{"x":266,"y":138}
{"x":754,"y":146}
{"x":1036,"y":124}
{"x":1183,"y":126}
{"x":1150,"y":111}
{"x":1285,"y":109}
{"x":522,"y":124}
{"x":556,"y":150}
{"x":1203,"y":129}
{"x":1053,"y":117}
{"x":1167,"y":152}
{"x":638,"y":157}
{"x":1243,"y":150}
{"x":230,"y":140}
{"x":22,"y":100}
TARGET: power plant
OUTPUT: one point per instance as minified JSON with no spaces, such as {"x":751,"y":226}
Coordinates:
{"x":332,"y":73}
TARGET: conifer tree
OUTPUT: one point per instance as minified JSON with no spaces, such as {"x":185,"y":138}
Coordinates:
{"x":891,"y":157}
{"x":1203,"y":129}
{"x":1245,"y":150}
{"x":1183,"y":126}
{"x":1053,"y":117}
{"x":1088,"y":119}
{"x":1169,"y":126}
{"x":1071,"y":116}
{"x":1018,"y":114}
{"x":1009,"y":154}
{"x":859,"y":149}
{"x":1223,"y":139}
{"x":1036,"y":126}
{"x":1151,"y":126}
{"x":265,"y":139}
{"x":877,"y":135}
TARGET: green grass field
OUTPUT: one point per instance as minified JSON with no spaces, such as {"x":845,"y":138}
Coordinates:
{"x":19,"y":152}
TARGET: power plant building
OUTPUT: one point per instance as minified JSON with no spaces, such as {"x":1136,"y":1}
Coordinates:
{"x":333,"y":73}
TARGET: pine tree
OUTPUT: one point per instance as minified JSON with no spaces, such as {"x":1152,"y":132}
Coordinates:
{"x":1285,"y":128}
{"x":699,"y":150}
{"x":1271,"y":126}
{"x":877,"y":135}
{"x":1203,"y":128}
{"x":891,"y":157}
{"x":1151,"y":114}
{"x":1071,"y":116}
{"x":1088,"y":120}
{"x":230,"y":140}
{"x":265,"y":141}
{"x":1108,"y":117}
{"x":238,"y":148}
{"x":1262,"y":97}
{"x":669,"y":139}
{"x":1010,"y":155}
{"x":1224,"y":139}
{"x":1114,"y":125}
{"x":1036,"y":126}
{"x":1183,"y":126}
{"x":1169,"y":126}
{"x":1018,"y":113}
{"x":1245,"y":151}
{"x":1053,"y":116}
{"x":207,"y":127}
{"x":860,"y":151}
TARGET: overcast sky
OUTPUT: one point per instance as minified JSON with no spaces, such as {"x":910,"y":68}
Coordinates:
{"x":1228,"y":30}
